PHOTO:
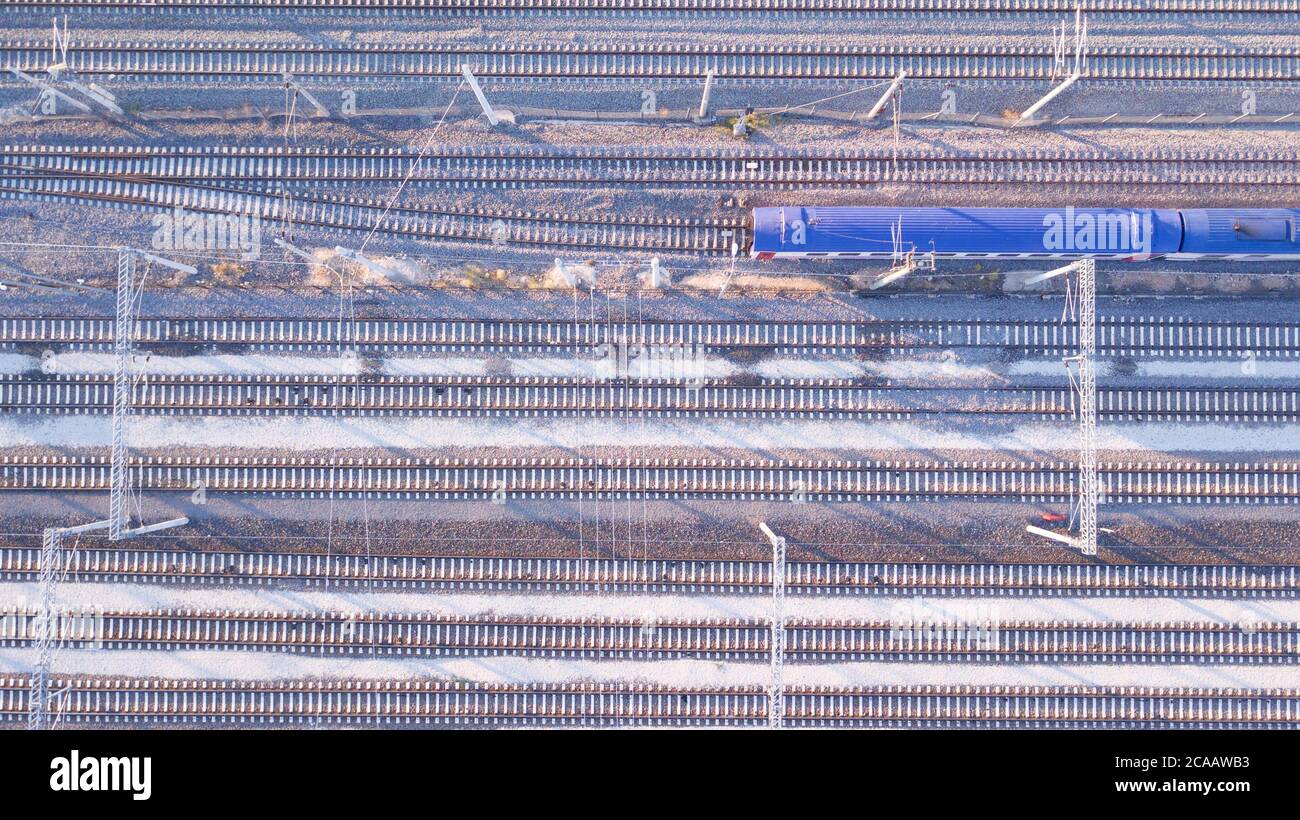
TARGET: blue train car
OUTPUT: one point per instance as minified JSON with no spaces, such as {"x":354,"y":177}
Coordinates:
{"x":1240,"y":233}
{"x":1024,"y":233}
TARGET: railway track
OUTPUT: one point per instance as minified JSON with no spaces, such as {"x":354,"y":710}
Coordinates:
{"x":613,"y":61}
{"x":665,"y":479}
{"x":310,"y":209}
{"x":485,"y":396}
{"x":1162,"y":337}
{"x":93,"y":701}
{"x":139,"y":171}
{"x":904,"y":640}
{"x":307,"y":569}
{"x":1124,"y":8}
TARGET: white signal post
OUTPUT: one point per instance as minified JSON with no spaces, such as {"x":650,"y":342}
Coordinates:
{"x":904,"y":261}
{"x":49,"y":89}
{"x":656,"y":273}
{"x":1059,"y":48}
{"x":735,"y":251}
{"x":59,"y":73}
{"x":492,"y":117}
{"x":1051,"y":274}
{"x":1049,"y":96}
{"x":366,"y":262}
{"x":299,"y":252}
{"x":293,"y":84}
{"x":1055,"y":536}
{"x":294,"y":249}
{"x":99,"y":95}
{"x":884,"y":98}
{"x":894,"y":274}
{"x":563,"y":272}
{"x":292,"y":90}
{"x":703,"y":113}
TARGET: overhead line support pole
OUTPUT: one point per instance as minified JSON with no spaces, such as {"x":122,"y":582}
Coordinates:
{"x":123,"y":379}
{"x":776,"y":692}
{"x":51,"y":567}
{"x":123,"y":339}
{"x":49,"y":571}
{"x":1089,"y":485}
{"x":1088,"y":488}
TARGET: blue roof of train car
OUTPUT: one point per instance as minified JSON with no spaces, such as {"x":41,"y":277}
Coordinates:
{"x":968,"y":230}
{"x":1241,"y":231}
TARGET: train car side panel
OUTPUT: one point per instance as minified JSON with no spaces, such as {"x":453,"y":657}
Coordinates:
{"x":1012,"y":232}
{"x":1245,"y":233}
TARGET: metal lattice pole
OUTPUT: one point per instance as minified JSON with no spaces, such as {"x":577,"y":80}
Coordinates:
{"x":123,"y":337}
{"x":51,"y":567}
{"x":776,"y":696}
{"x":1089,"y":486}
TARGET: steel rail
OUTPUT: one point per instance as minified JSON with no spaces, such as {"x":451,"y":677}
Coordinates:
{"x":1166,"y":337}
{"x":168,"y":395}
{"x":663,"y":478}
{"x":309,"y":568}
{"x":187,"y":59}
{"x":906,"y":638}
{"x":253,"y":170}
{"x":1124,"y":8}
{"x":88,"y":701}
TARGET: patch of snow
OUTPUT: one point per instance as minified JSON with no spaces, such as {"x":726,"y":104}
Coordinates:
{"x":1036,"y":367}
{"x":896,"y":369}
{"x":667,"y":366}
{"x":236,"y":665}
{"x":608,"y":367}
{"x":204,"y":365}
{"x":17,"y":363}
{"x":1232,"y":369}
{"x":316,"y":433}
{"x":91,"y":597}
